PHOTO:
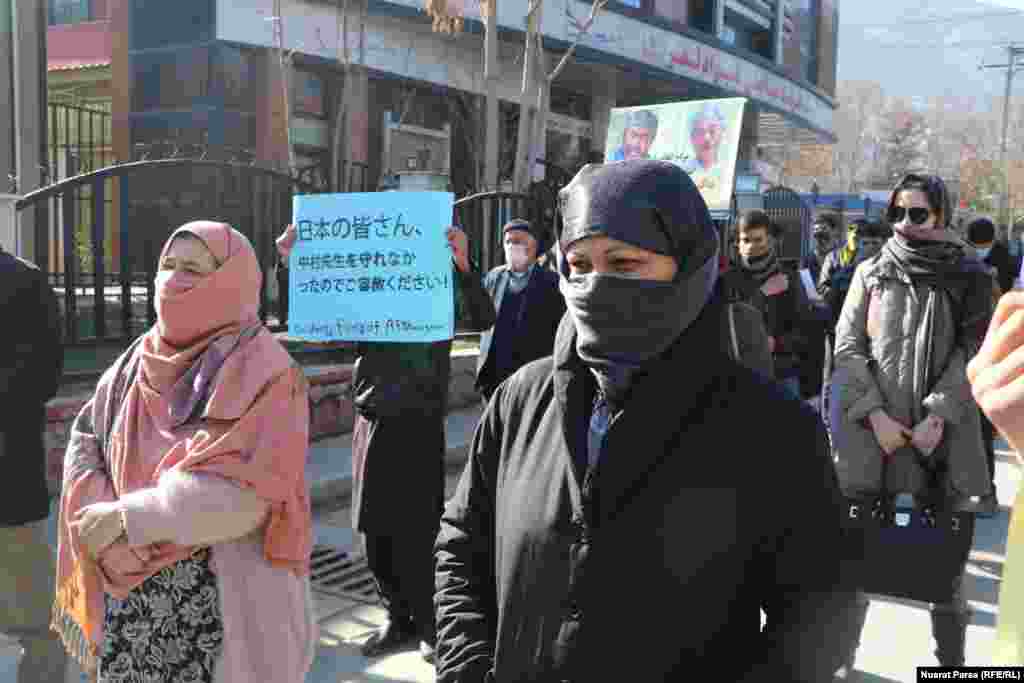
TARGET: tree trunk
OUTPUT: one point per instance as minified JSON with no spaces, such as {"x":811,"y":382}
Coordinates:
{"x":340,"y":144}
{"x":491,"y":76}
{"x":540,"y":123}
{"x":524,"y":145}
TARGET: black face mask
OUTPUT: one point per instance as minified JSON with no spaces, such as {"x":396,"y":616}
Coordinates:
{"x":622,"y":323}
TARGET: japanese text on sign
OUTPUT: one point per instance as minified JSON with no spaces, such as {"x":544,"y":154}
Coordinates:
{"x":372,"y":267}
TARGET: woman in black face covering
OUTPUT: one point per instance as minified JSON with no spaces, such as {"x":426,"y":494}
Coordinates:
{"x":618,"y":463}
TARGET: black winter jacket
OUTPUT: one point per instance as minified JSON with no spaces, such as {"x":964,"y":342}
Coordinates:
{"x":31,"y":360}
{"x":535,"y":328}
{"x":786,"y":316}
{"x":658,"y":565}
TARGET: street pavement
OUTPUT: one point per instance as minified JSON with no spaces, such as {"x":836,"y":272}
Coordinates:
{"x":896,"y":639}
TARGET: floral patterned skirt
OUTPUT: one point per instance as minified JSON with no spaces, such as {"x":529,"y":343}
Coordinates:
{"x":168,"y":630}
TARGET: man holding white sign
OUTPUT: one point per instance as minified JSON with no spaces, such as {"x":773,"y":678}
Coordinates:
{"x":395,"y":293}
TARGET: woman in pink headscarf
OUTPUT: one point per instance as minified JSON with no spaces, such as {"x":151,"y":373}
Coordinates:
{"x":185,"y":526}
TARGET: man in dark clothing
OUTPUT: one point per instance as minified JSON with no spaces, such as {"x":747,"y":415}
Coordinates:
{"x":528,"y":304}
{"x":981,"y":234}
{"x":837,"y":272}
{"x":31,"y":359}
{"x":398,"y":447}
{"x":761,"y":280}
{"x":825,"y":232}
{"x":590,"y":491}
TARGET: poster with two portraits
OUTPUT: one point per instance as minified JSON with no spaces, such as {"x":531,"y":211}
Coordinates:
{"x":701,"y":136}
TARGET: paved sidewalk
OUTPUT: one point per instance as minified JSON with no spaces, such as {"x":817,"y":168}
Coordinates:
{"x":896,"y":639}
{"x":330,"y":460}
{"x":330,"y":473}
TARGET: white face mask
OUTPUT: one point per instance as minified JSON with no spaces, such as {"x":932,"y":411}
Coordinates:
{"x":517,"y":256}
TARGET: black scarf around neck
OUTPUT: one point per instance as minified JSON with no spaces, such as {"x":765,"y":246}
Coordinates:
{"x":942,"y":264}
{"x":762,"y":267}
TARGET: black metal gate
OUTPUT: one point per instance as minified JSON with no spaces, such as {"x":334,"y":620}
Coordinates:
{"x":789,"y":212}
{"x":484,"y":215}
{"x":103,"y":231}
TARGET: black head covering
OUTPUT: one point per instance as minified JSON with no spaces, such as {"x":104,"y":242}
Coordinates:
{"x":537,"y":233}
{"x":981,"y":231}
{"x":623,"y":323}
{"x":649,"y":204}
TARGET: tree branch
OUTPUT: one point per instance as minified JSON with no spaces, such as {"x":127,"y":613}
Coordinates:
{"x":595,"y":11}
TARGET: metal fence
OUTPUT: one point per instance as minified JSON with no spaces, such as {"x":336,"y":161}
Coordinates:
{"x":789,"y":212}
{"x":80,"y":141}
{"x":105,"y":277}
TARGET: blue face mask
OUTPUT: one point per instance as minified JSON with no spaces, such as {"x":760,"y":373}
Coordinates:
{"x":983,"y":253}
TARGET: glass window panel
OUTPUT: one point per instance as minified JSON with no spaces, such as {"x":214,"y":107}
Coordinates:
{"x":308,"y":94}
{"x":159,"y":23}
{"x":233,"y":78}
{"x":70,"y":11}
{"x":170,"y":80}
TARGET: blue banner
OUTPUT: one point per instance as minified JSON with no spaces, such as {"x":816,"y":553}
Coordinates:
{"x":372,"y":266}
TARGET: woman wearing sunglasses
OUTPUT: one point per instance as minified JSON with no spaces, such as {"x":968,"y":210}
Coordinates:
{"x":912,"y":318}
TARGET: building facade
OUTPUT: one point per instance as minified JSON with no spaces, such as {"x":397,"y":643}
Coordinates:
{"x":205,"y":72}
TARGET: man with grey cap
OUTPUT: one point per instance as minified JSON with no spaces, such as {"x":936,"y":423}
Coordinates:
{"x":528,"y":303}
{"x":612,"y":477}
{"x":637,"y":136}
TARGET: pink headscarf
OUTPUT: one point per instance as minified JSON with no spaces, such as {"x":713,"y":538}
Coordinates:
{"x":209,"y":352}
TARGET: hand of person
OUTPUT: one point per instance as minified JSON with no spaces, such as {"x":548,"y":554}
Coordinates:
{"x":459,"y":244}
{"x":928,"y":434}
{"x":995,"y":372}
{"x":776,"y":284}
{"x":98,"y":525}
{"x":121,"y":559}
{"x":889,"y":433}
{"x":286,"y":242}
{"x":772,"y":344}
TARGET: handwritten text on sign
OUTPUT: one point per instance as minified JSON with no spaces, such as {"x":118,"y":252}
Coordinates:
{"x":372,"y":266}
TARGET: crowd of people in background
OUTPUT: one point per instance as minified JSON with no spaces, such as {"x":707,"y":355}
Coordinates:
{"x":185,"y":522}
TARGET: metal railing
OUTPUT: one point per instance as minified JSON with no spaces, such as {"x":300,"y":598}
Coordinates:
{"x":104,"y":276}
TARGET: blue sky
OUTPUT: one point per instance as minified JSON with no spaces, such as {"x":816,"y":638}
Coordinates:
{"x":919,"y":48}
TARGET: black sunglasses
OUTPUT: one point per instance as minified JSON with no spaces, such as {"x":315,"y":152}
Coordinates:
{"x":918,"y":214}
{"x":823,"y":237}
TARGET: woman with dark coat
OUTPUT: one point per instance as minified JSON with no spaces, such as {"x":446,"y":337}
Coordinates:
{"x":913,"y":317}
{"x":637,"y":468}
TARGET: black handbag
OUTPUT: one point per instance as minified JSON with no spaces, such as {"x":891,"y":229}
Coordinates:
{"x":916,"y":553}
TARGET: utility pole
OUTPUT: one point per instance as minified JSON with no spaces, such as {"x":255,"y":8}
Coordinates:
{"x":1012,"y":51}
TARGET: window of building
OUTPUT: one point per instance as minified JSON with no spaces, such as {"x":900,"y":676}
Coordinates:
{"x":70,"y":11}
{"x":161,"y":23}
{"x":701,"y":15}
{"x":178,"y":79}
{"x":749,"y":30}
{"x":233,"y":79}
{"x":826,"y":45}
{"x":805,"y":23}
{"x":308,"y":94}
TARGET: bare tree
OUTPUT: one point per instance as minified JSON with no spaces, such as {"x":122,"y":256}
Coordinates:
{"x":448,"y":18}
{"x":341,"y":145}
{"x":284,"y":60}
{"x":534,"y":60}
{"x":857,"y":127}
